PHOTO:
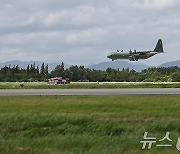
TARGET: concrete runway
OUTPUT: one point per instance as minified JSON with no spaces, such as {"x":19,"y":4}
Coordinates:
{"x":90,"y":92}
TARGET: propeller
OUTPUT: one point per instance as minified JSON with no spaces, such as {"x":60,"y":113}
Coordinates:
{"x":130,"y":51}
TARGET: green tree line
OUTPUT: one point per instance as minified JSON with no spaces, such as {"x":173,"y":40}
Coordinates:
{"x":80,"y":73}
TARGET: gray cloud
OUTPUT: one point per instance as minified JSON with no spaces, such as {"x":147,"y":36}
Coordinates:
{"x":85,"y":31}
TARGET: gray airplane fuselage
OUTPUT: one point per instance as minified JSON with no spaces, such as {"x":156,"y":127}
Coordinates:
{"x":134,"y":55}
{"x":127,"y":55}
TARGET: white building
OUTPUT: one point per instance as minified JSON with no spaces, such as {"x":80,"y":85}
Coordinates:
{"x":58,"y":81}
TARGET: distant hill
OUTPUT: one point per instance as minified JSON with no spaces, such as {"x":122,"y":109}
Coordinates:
{"x":169,"y":64}
{"x":119,"y":64}
{"x":25,"y":64}
{"x":137,"y":66}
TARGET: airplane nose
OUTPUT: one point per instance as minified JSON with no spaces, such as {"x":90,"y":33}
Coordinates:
{"x":109,"y":56}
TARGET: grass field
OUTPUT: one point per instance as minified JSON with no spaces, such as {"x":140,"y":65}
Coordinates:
{"x":88,"y":85}
{"x":85,"y":124}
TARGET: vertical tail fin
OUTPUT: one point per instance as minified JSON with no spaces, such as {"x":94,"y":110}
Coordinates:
{"x":159,"y":46}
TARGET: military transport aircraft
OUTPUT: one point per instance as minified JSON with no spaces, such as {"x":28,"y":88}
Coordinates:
{"x":134,"y":55}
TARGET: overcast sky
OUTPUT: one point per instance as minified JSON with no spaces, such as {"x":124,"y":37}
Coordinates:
{"x":85,"y":31}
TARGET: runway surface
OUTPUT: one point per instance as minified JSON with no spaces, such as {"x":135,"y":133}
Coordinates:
{"x":90,"y":92}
